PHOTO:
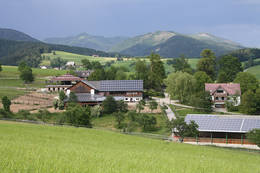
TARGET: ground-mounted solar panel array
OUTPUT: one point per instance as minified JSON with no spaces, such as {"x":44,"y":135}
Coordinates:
{"x":224,"y":123}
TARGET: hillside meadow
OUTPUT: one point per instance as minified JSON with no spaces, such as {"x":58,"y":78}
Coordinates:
{"x":12,"y":86}
{"x":54,"y":149}
{"x":255,"y":70}
{"x":126,"y":63}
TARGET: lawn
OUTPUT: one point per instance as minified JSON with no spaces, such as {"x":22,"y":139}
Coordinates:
{"x":74,"y":57}
{"x":10,"y":82}
{"x":12,"y":72}
{"x":27,"y":148}
{"x":126,"y":63}
{"x":182,"y":112}
{"x":255,"y":70}
{"x":108,"y":122}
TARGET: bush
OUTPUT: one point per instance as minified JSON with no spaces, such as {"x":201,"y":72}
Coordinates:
{"x":5,"y":114}
{"x":23,"y":114}
{"x":120,"y":117}
{"x":147,"y":122}
{"x":109,"y":105}
{"x":254,"y":136}
{"x":231,"y":108}
{"x":77,"y":115}
{"x":6,"y":103}
{"x":153,"y":93}
{"x":44,"y":115}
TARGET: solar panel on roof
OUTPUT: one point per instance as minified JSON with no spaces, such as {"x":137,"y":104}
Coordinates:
{"x":222,"y":123}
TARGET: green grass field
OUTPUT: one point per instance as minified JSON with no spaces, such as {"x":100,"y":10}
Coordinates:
{"x":10,"y":82}
{"x":27,"y":148}
{"x":255,"y":70}
{"x":109,"y":122}
{"x":126,"y":63}
{"x":74,"y":57}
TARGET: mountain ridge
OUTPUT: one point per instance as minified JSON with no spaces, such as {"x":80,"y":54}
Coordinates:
{"x":164,"y":43}
{"x":14,"y":35}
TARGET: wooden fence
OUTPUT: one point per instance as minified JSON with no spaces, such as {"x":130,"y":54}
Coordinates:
{"x":219,"y":140}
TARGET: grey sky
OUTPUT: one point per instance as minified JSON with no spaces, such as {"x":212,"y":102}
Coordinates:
{"x":237,"y":20}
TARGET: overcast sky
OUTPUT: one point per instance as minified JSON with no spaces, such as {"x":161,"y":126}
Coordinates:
{"x":237,"y":20}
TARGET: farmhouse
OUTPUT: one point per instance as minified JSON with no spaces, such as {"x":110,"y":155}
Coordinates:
{"x":95,"y":92}
{"x":62,"y":82}
{"x":230,"y":129}
{"x":84,"y":74}
{"x":222,"y":92}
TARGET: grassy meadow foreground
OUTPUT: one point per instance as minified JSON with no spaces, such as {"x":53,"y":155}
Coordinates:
{"x":53,"y":149}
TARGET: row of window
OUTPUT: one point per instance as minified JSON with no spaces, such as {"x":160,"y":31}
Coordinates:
{"x":220,"y":98}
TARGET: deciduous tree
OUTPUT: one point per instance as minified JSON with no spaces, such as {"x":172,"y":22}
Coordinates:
{"x":109,"y":105}
{"x":58,"y":62}
{"x":153,"y":105}
{"x":6,"y":103}
{"x":180,"y":86}
{"x":247,"y":81}
{"x":26,"y":74}
{"x":229,"y":66}
{"x":201,"y":78}
{"x":207,"y":63}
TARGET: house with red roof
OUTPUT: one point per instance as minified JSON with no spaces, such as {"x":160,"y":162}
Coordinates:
{"x":224,"y":92}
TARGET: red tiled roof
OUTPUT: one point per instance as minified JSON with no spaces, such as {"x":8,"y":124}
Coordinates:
{"x":230,"y":88}
{"x":66,"y":77}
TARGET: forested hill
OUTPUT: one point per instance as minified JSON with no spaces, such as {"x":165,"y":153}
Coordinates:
{"x":11,"y":52}
{"x":166,"y":43}
{"x":176,"y":44}
{"x":86,"y":40}
{"x":246,"y":54}
{"x":10,"y":34}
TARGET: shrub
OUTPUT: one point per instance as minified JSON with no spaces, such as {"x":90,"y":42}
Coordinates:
{"x":24,"y":114}
{"x":147,"y":122}
{"x":6,"y":103}
{"x":254,"y":136}
{"x":109,"y":105}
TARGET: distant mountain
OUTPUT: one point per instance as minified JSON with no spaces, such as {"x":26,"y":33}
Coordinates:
{"x":88,"y":41}
{"x":138,"y":44}
{"x":10,"y":34}
{"x":171,"y":44}
{"x":165,"y":43}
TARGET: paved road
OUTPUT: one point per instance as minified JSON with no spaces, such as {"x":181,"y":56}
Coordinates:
{"x":166,"y":101}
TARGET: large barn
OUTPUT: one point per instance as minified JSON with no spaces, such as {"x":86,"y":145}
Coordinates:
{"x":224,"y":128}
{"x":95,"y":92}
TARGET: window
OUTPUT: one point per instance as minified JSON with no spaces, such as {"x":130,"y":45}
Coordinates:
{"x":216,"y":98}
{"x":223,"y":98}
{"x":220,"y":91}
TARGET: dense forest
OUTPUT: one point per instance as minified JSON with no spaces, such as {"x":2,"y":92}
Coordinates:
{"x":246,"y":54}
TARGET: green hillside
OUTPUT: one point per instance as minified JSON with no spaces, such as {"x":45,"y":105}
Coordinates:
{"x":171,"y":44}
{"x":41,"y":148}
{"x":255,"y":70}
{"x":74,"y":57}
{"x":10,"y":34}
{"x":12,"y":86}
{"x":178,"y":45}
{"x":88,"y":41}
{"x":245,"y":54}
{"x":11,"y":52}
